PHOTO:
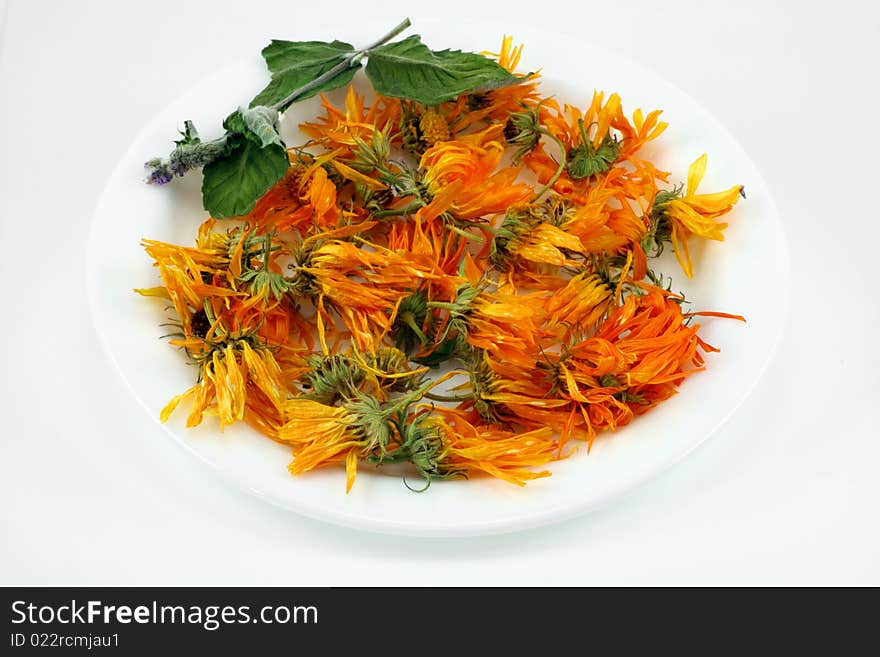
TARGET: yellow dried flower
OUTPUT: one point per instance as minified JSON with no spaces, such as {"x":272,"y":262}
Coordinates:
{"x":434,"y":127}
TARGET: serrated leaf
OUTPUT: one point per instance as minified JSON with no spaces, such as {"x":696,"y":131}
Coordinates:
{"x":295,"y":63}
{"x":409,"y":69}
{"x":259,"y":124}
{"x":232,"y":184}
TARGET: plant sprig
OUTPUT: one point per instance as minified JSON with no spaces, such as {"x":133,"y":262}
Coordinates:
{"x":243,"y":164}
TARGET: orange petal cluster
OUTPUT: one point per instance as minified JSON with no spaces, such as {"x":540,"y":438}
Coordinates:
{"x":499,"y":245}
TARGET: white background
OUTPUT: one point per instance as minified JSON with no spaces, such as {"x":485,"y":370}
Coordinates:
{"x":92,"y":492}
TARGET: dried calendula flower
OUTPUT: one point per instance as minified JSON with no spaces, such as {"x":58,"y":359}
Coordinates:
{"x":691,"y":214}
{"x":433,"y":127}
{"x":228,"y":367}
{"x":523,"y":130}
{"x":457,"y":219}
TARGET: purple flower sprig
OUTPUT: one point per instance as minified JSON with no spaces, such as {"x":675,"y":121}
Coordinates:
{"x":189,"y":153}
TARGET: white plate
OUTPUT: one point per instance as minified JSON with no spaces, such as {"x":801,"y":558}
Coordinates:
{"x":748,"y":274}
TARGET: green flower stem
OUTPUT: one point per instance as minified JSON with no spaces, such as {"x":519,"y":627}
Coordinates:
{"x":398,"y":212}
{"x":449,"y":398}
{"x":352,"y":60}
{"x":267,"y":251}
{"x":465,"y":234}
{"x":559,"y":170}
{"x":585,"y":140}
{"x":406,"y":400}
{"x":410,"y":321}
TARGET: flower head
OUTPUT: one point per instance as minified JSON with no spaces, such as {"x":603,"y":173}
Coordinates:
{"x":345,"y":127}
{"x":693,"y":214}
{"x":596,"y":143}
{"x":488,"y":449}
{"x":231,"y":366}
{"x":463,"y":178}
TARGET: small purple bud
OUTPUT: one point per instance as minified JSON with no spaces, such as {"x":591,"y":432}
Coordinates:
{"x":159,"y":177}
{"x":160,"y":173}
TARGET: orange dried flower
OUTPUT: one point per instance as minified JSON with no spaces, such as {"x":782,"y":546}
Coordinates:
{"x":516,"y":245}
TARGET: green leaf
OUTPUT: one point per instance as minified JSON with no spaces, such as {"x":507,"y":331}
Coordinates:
{"x":295,"y":63}
{"x":409,"y":69}
{"x":259,"y":124}
{"x":190,"y":135}
{"x":232,"y":184}
{"x":263,"y":122}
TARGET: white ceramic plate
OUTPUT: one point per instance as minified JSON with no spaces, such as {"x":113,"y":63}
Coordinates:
{"x":747,"y":274}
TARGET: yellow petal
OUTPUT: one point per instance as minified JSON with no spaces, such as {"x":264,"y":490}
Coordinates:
{"x":235,"y":383}
{"x":356,"y":176}
{"x":200,"y":403}
{"x":153,"y":292}
{"x":215,"y":372}
{"x":694,"y":222}
{"x":681,"y":252}
{"x":264,"y":371}
{"x":511,"y":398}
{"x":171,"y":405}
{"x":471,"y":271}
{"x":303,"y":409}
{"x":606,"y":115}
{"x":515,"y":311}
{"x":351,"y":466}
{"x":315,"y":455}
{"x":638,"y":119}
{"x":696,"y":171}
{"x":573,"y":390}
{"x":717,"y":203}
{"x":545,"y":253}
{"x":543,"y":243}
{"x":558,"y":237}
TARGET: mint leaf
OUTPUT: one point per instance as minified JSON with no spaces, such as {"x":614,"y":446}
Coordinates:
{"x":409,"y":69}
{"x":232,"y":184}
{"x":263,"y":122}
{"x":293,"y":64}
{"x":190,"y":135}
{"x":259,"y":124}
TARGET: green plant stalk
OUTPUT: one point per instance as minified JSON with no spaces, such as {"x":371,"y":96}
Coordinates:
{"x":267,"y":251}
{"x":465,"y":234}
{"x":410,"y":321}
{"x":408,"y":209}
{"x":559,"y":170}
{"x":449,"y":398}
